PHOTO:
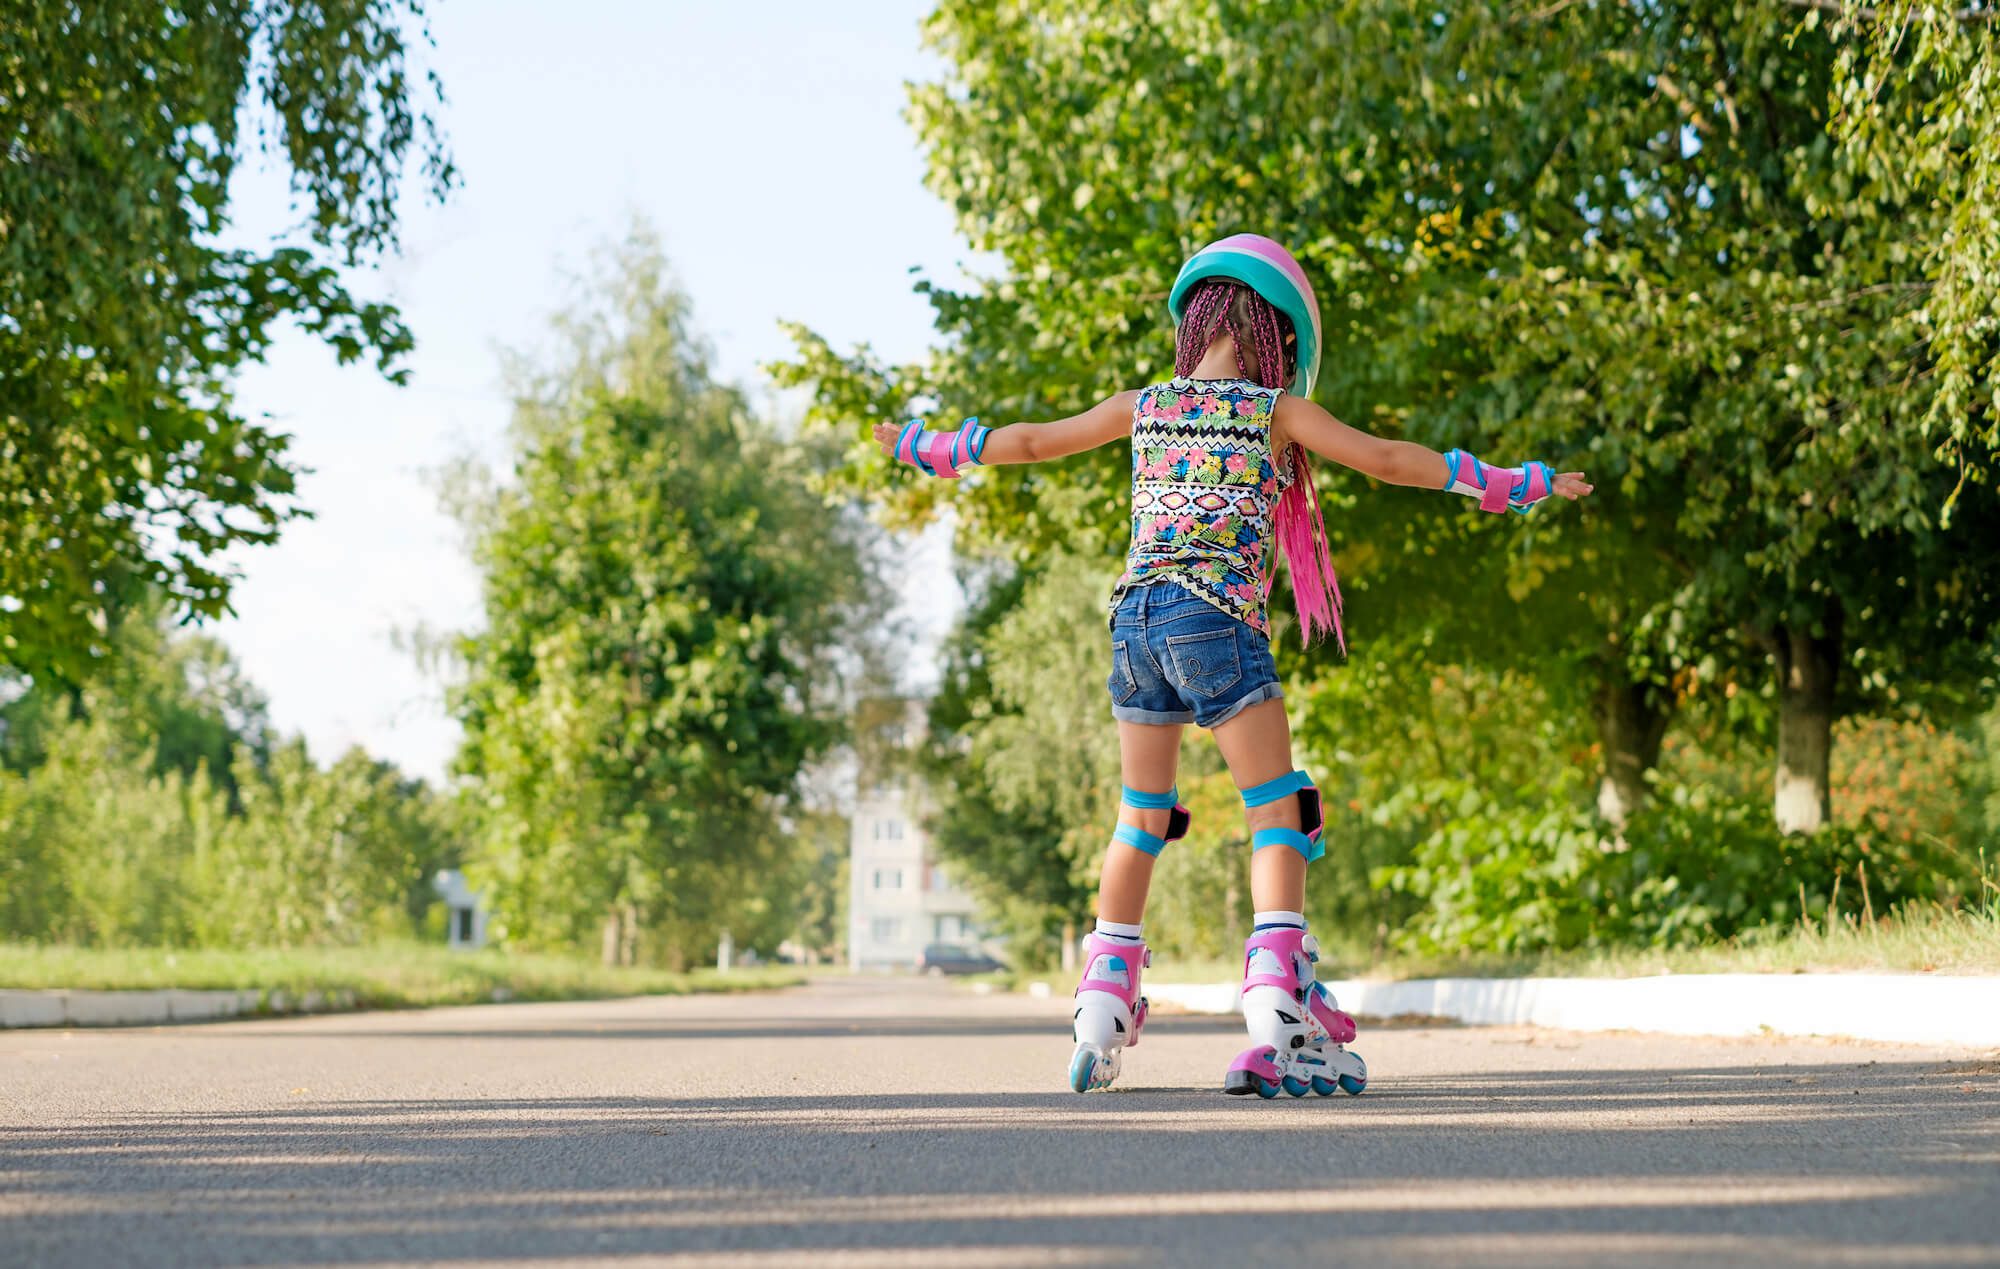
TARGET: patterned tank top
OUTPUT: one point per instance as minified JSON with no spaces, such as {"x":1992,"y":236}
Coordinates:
{"x":1203,"y":485}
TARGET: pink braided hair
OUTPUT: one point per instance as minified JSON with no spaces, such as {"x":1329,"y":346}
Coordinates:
{"x":1218,"y":307}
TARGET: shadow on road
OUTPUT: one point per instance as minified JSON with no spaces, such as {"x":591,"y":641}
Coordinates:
{"x":1873,"y":1163}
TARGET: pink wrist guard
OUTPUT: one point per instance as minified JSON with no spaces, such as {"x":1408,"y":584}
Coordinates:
{"x":941,"y":453}
{"x":1498,"y":488}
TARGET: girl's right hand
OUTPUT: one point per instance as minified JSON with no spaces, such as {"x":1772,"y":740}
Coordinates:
{"x":885,"y":436}
{"x":1571,"y":485}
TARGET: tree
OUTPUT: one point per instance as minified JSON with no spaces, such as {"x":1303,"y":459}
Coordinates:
{"x":124,"y":464}
{"x":1917,"y":88}
{"x":1092,"y":153}
{"x":667,"y":607}
{"x":1730,"y":309}
{"x":1621,"y":233}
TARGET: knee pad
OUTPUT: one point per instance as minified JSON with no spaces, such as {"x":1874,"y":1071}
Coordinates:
{"x":1306,"y":838}
{"x":1138,"y":838}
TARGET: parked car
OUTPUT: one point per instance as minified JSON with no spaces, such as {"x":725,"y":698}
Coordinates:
{"x":950,"y":958}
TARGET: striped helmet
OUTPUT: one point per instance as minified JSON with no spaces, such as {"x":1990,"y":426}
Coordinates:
{"x":1269,"y":270}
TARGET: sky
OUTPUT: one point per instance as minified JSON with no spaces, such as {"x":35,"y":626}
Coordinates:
{"x":766,"y":145}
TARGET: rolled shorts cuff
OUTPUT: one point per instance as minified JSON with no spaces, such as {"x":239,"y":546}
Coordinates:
{"x":1255,"y":696}
{"x":1158,"y":717}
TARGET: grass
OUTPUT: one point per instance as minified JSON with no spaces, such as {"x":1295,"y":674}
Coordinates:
{"x":1918,"y":939}
{"x":383,"y":976}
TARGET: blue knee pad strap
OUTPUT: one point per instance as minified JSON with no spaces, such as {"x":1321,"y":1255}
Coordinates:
{"x":1310,"y":847}
{"x":1138,"y":838}
{"x":1306,"y":838}
{"x":1271,"y":790}
{"x":1152,"y":801}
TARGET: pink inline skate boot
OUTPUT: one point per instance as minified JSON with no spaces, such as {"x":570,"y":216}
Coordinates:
{"x":1109,"y":1009}
{"x":1297,"y":1031}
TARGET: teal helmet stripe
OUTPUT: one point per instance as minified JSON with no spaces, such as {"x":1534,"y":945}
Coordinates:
{"x":1258,"y":268}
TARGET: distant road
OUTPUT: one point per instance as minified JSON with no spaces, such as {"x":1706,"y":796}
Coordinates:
{"x":862,"y":1122}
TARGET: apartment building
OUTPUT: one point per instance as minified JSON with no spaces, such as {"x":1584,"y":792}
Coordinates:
{"x":900,"y":899}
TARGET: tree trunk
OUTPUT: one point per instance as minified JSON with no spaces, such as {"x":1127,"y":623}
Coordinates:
{"x":1808,"y":673}
{"x":608,"y":945}
{"x":628,"y":942}
{"x":1631,"y":723}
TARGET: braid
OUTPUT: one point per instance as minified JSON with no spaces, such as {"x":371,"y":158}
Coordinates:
{"x":1208,"y":308}
{"x":1262,"y":327}
{"x":1213,"y":311}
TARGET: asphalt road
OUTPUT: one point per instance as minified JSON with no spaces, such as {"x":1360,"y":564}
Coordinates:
{"x":897,"y":1122}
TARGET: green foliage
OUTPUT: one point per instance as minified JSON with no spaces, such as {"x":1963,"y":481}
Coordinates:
{"x":1691,"y":867}
{"x":123,"y":462}
{"x":1736,"y":258}
{"x":810,"y":902}
{"x":1621,"y":236}
{"x":1916,"y":94}
{"x":99,"y":847}
{"x":667,"y":605}
{"x":1023,"y":795}
{"x":178,"y":692}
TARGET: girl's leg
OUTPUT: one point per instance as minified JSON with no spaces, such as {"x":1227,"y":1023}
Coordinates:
{"x":1149,"y":754}
{"x":1110,"y":1011}
{"x":1297,"y":1032}
{"x":1257,"y":745}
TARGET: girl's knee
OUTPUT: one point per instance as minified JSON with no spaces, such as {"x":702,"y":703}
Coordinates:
{"x":1284,"y":813}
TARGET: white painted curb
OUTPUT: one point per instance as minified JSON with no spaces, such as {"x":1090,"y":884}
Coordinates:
{"x":1902,"y":1008}
{"x":122,"y":1008}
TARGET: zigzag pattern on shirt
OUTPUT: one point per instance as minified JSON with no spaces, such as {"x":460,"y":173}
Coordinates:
{"x":1240,"y":433}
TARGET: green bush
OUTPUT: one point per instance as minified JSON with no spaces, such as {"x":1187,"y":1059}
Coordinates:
{"x":98,"y":847}
{"x":1692,"y":866}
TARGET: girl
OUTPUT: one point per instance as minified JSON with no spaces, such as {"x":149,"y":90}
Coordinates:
{"x":1219,"y":469}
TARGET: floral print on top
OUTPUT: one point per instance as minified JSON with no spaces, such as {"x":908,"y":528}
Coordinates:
{"x":1203,"y":485}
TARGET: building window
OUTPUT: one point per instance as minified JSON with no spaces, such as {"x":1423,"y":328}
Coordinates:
{"x":947,"y":929}
{"x":938,"y":879}
{"x":888,"y":830}
{"x":886,"y":929}
{"x":888,"y":878}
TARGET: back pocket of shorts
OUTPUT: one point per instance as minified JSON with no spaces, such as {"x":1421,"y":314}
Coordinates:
{"x":1122,"y":684}
{"x":1206,"y":664}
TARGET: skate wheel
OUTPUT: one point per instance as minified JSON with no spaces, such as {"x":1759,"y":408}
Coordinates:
{"x":1265,"y":1088}
{"x":1296,"y":1087}
{"x":1352,"y":1086}
{"x":1083,"y":1071}
{"x":1324,"y":1086}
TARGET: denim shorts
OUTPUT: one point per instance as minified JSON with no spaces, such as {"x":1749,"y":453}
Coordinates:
{"x":1179,"y":659}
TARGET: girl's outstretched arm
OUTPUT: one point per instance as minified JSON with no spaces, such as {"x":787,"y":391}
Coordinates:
{"x":1407,"y":463}
{"x":1108,"y":420}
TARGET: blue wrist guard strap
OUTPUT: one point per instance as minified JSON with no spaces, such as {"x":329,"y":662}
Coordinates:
{"x":1138,"y":838}
{"x":1498,"y":488}
{"x":1306,"y":838}
{"x":942,"y":453}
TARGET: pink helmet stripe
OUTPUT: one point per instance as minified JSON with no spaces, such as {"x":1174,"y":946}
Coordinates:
{"x":1264,"y":248}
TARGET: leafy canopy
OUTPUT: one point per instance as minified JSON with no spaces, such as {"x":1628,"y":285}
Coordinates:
{"x":123,"y":461}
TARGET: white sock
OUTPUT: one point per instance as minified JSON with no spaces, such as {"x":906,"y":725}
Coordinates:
{"x":1120,"y":930}
{"x":1262,"y":919}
